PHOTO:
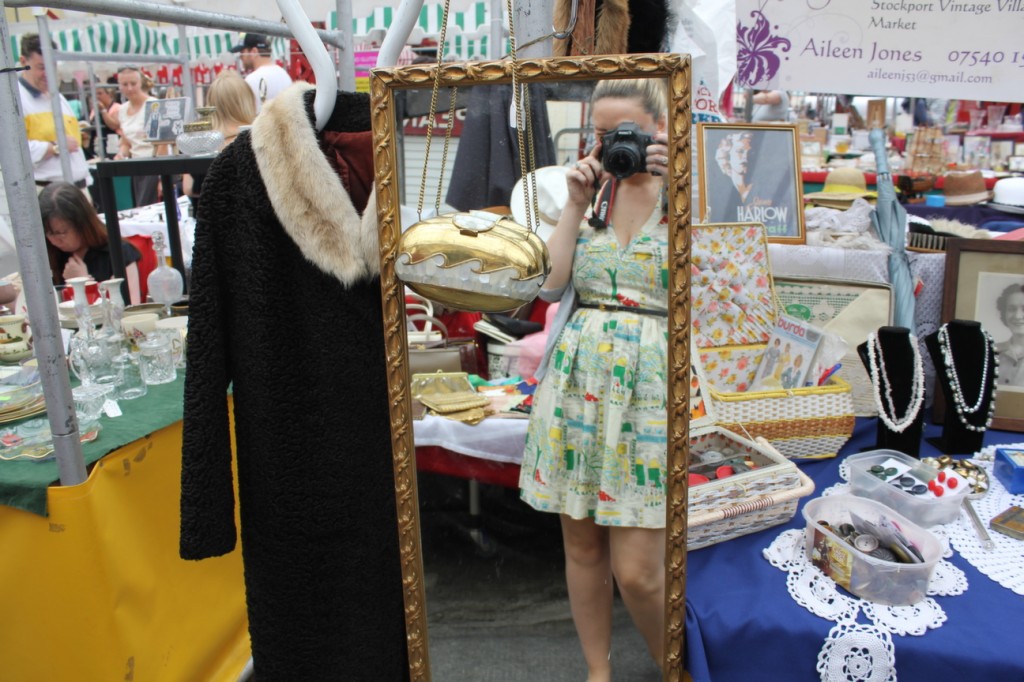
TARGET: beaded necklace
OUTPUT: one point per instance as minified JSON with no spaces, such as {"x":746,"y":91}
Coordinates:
{"x":963,"y":411}
{"x":880,"y":376}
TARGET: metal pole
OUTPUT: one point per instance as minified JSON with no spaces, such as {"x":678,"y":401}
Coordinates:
{"x":98,"y":140}
{"x":119,"y":58}
{"x":496,"y":37}
{"x":185,"y":53}
{"x":346,"y":57}
{"x":19,"y":185}
{"x":171,"y":14}
{"x":53,"y":85}
{"x":533,"y":19}
{"x":401,"y":26}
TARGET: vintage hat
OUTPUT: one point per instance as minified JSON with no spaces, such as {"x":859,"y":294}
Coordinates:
{"x":842,"y":187}
{"x":252,"y":40}
{"x":1008,"y":195}
{"x":963,"y":188}
{"x":552,"y":195}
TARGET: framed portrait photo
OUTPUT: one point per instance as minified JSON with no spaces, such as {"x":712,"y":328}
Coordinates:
{"x":751,"y":173}
{"x":985,"y":282}
{"x":1015,"y":163}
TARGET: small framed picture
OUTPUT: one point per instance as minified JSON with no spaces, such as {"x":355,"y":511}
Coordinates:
{"x":751,"y":173}
{"x":1015,"y":164}
{"x":812,"y":156}
{"x":165,"y":118}
{"x":985,"y":282}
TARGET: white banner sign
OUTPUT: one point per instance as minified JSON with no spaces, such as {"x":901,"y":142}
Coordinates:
{"x":947,"y":49}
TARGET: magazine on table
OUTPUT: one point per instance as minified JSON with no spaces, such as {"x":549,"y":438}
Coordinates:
{"x":788,"y":359}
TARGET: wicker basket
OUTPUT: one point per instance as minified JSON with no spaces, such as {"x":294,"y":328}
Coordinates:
{"x":802,"y":423}
{"x":746,"y":502}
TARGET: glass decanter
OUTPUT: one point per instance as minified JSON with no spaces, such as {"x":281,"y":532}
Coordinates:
{"x":165,"y":283}
{"x":199,"y":136}
{"x":113,"y":305}
{"x":90,"y":354}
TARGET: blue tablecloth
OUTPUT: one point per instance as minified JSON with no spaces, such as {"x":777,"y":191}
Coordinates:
{"x":742,"y":624}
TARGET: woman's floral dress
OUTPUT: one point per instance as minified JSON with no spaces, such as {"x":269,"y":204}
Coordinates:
{"x":596,"y":445}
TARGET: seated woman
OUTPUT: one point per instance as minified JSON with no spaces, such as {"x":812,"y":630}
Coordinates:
{"x":76,"y":239}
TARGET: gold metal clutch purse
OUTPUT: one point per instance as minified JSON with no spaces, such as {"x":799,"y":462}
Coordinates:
{"x":473,"y":261}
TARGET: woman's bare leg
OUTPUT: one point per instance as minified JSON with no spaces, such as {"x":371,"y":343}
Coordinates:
{"x":588,"y":574}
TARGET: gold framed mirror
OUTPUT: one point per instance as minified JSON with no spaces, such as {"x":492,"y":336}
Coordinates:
{"x":385,"y":84}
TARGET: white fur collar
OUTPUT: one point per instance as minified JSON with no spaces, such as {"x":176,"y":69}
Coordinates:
{"x":307,"y":195}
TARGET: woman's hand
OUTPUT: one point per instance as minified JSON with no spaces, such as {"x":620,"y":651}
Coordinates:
{"x":75,"y":267}
{"x":584,"y":177}
{"x":657,"y":156}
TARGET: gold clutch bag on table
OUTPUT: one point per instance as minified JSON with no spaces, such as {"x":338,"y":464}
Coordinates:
{"x":449,"y":394}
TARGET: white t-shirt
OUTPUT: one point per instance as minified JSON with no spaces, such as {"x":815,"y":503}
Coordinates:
{"x":275,"y":78}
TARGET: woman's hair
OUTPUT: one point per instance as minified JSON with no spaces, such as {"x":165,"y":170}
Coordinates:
{"x":1004,"y":298}
{"x":651,"y":92}
{"x":65,"y":201}
{"x":233,"y":100}
{"x":145,"y":82}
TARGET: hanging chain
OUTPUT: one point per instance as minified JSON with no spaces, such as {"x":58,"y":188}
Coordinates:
{"x":432,"y":118}
{"x":521,"y":103}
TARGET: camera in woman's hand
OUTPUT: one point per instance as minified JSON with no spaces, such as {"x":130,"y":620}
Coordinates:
{"x":624,"y":150}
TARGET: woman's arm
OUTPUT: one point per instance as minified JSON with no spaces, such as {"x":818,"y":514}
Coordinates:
{"x":131,"y":273}
{"x":562,"y":243}
{"x":111,"y":118}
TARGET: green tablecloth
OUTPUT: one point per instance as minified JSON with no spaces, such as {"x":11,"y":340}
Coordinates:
{"x":23,"y":484}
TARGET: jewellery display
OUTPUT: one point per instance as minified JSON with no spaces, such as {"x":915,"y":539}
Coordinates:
{"x":880,"y":376}
{"x":966,"y":413}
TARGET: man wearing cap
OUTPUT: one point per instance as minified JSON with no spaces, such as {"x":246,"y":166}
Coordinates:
{"x":42,"y":133}
{"x":265,"y":78}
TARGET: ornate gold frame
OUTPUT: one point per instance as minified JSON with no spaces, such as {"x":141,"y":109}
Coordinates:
{"x":383,"y":82}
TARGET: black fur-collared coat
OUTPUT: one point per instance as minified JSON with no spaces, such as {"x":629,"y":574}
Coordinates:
{"x":285,"y":308}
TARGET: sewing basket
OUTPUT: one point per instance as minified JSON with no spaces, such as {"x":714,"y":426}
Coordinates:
{"x":733,"y":312}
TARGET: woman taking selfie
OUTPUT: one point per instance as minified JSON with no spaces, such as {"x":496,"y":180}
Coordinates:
{"x":596,"y":446}
{"x":76,"y":239}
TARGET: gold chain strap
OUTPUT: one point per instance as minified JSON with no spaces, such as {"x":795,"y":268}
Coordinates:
{"x":432,"y":117}
{"x":527,"y":157}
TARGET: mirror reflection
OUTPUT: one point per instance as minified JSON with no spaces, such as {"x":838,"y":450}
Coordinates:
{"x":543,"y":513}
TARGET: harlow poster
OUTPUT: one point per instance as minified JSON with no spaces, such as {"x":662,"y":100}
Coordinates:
{"x":948,"y":49}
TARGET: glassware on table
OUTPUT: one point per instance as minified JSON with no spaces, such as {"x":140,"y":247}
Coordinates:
{"x":995,"y":115}
{"x":113,"y":304}
{"x":176,"y":330}
{"x":157,"y":360}
{"x":199,"y":137}
{"x":165,"y":283}
{"x":89,"y":401}
{"x":130,"y":384}
{"x":977,"y":116}
{"x":90,"y":353}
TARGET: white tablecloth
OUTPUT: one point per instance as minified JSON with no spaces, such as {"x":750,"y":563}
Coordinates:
{"x":145,"y":220}
{"x":497,"y":440}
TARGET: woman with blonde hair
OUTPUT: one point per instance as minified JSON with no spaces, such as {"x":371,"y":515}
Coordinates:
{"x":596,"y":447}
{"x":135,"y":87}
{"x":234,"y":107}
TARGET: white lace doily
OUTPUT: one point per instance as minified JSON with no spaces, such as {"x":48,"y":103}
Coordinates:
{"x":856,"y":652}
{"x":1001,"y":564}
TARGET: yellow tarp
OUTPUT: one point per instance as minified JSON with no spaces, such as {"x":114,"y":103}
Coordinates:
{"x":97,"y":590}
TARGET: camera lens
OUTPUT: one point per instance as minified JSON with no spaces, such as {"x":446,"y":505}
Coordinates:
{"x":623,"y":161}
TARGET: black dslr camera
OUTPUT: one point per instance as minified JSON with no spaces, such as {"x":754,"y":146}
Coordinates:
{"x":624,"y":150}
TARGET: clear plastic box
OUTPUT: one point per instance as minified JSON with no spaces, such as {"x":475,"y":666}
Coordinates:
{"x":924,"y":510}
{"x":877,"y":580}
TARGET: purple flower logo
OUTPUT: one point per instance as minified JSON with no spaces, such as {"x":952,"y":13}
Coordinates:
{"x":756,"y":57}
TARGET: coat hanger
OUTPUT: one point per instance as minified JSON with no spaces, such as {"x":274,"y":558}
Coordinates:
{"x":316,"y":53}
{"x":401,"y":27}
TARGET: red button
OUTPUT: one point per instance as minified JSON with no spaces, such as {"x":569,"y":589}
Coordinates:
{"x":942,"y":476}
{"x":938,"y":491}
{"x":724,"y":471}
{"x":697,"y":479}
{"x":952,"y":483}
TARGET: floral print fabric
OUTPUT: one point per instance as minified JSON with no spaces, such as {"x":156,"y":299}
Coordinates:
{"x":596,"y":444}
{"x":730,"y":287}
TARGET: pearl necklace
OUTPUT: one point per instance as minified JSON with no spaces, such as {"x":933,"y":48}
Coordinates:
{"x":957,"y":391}
{"x":879,"y":375}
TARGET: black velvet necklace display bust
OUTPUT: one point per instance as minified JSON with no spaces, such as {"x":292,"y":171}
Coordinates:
{"x":974,"y":360}
{"x":898,"y":368}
